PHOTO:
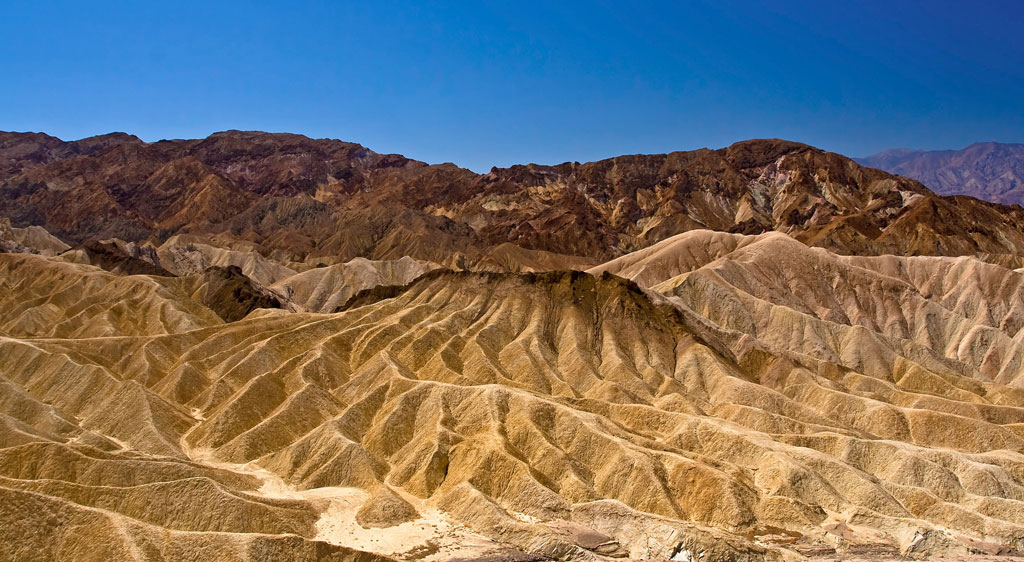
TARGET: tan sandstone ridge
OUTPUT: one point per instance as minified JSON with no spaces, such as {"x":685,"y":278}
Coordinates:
{"x":325,"y":289}
{"x":31,"y":239}
{"x":714,"y":396}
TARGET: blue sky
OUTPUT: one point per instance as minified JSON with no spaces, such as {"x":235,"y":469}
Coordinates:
{"x":498,"y":83}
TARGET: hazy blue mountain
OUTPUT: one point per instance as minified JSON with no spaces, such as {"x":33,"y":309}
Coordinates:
{"x":987,"y":170}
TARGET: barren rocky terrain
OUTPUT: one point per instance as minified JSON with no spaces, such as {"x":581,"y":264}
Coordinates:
{"x":267,"y":347}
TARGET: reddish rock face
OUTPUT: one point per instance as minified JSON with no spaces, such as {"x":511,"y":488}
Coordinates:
{"x":320,"y":197}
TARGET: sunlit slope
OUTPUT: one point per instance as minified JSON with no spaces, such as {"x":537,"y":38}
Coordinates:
{"x":47,"y":297}
{"x":760,"y":387}
{"x":949,"y":314}
{"x":325,"y":289}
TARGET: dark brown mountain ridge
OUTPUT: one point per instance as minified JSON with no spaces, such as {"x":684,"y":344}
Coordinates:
{"x":328,"y":201}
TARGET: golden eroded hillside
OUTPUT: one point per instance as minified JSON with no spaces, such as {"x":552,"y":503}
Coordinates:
{"x":714,"y":396}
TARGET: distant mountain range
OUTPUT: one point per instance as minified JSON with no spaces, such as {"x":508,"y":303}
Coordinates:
{"x":988,"y":170}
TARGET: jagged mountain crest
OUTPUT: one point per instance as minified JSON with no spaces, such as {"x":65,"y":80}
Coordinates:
{"x":364,"y":204}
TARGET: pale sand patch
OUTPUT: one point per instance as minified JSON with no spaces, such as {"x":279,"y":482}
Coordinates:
{"x":431,"y":538}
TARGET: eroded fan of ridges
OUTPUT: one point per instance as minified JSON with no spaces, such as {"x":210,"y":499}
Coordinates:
{"x":757,"y":385}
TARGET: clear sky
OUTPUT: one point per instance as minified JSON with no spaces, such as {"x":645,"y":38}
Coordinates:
{"x":498,"y":83}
